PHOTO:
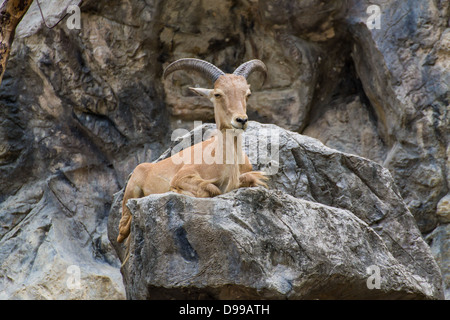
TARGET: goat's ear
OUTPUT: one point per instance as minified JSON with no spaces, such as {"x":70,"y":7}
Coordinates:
{"x":202,"y":92}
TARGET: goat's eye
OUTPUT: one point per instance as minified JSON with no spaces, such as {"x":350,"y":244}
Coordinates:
{"x":217,"y":95}
{"x":248,"y":96}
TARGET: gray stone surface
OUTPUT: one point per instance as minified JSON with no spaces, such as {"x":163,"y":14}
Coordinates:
{"x":254,"y":243}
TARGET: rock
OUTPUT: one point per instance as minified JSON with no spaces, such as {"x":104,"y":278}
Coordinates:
{"x":311,"y":185}
{"x":72,"y":114}
{"x":57,"y":247}
{"x":403,"y":69}
{"x":335,"y":124}
{"x":439,"y":241}
{"x":254,"y":243}
{"x":52,"y":14}
{"x":443,"y":209}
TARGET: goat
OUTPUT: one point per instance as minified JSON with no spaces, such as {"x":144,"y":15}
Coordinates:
{"x":229,"y":97}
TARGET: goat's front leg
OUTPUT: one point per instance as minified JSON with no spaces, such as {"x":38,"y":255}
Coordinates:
{"x":193,"y":185}
{"x":252,"y":179}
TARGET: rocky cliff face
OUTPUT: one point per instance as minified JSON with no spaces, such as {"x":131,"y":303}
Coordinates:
{"x":80,"y":108}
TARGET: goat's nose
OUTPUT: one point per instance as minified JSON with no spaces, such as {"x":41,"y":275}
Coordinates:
{"x":241,"y":120}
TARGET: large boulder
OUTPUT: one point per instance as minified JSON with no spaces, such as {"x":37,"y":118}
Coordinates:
{"x":255,"y":243}
{"x":327,"y":217}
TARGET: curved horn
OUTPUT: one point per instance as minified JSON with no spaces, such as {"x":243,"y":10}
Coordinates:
{"x":248,"y":67}
{"x":205,"y":68}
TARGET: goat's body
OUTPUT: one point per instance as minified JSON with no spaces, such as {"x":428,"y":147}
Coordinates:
{"x":194,"y":179}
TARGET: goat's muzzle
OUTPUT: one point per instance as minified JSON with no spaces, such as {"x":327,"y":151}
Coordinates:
{"x":240,"y":122}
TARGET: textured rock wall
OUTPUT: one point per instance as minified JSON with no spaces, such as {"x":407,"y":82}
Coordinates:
{"x":80,"y":108}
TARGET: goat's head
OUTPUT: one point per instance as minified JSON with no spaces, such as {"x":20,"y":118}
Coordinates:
{"x":230,"y":92}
